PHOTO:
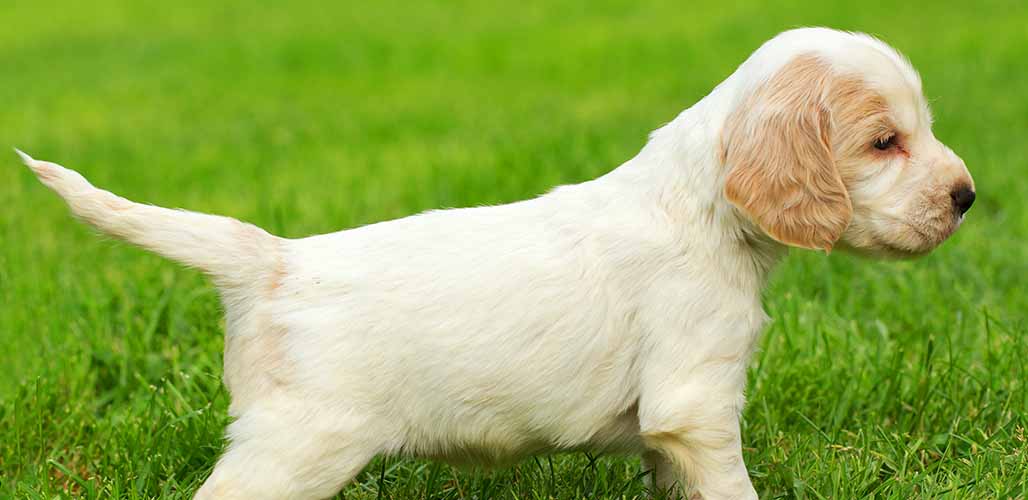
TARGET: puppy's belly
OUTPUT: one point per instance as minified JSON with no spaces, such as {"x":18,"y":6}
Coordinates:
{"x":486,"y":405}
{"x":498,"y":443}
{"x":472,"y":401}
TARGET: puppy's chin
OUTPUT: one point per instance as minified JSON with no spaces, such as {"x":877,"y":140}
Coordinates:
{"x":900,"y":241}
{"x":882,"y":251}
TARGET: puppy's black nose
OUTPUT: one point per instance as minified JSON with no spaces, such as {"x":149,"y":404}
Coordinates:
{"x":963,"y":198}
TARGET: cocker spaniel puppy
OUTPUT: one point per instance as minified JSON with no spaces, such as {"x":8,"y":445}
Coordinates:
{"x":615,"y":315}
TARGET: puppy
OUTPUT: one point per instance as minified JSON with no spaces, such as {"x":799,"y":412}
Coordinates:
{"x":615,"y":315}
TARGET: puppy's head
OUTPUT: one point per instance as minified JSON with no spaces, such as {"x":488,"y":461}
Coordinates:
{"x":834,"y":148}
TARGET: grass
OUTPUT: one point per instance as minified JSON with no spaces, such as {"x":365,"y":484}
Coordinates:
{"x":876,"y":379}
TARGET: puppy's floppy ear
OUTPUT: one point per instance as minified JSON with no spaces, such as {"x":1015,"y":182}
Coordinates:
{"x":778,"y":146}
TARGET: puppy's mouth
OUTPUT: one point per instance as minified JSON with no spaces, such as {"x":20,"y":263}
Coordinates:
{"x":925,"y":236}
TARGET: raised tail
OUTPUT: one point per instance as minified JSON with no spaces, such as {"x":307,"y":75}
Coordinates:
{"x":233,"y":253}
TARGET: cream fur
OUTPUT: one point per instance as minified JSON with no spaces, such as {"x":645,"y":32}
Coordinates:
{"x":617,"y":314}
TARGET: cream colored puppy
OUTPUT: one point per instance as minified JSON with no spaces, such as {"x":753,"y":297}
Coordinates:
{"x":615,"y":315}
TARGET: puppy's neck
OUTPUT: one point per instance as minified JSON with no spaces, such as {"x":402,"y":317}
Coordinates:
{"x":680,"y":169}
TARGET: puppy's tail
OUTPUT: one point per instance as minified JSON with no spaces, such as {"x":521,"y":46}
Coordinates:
{"x":233,"y":253}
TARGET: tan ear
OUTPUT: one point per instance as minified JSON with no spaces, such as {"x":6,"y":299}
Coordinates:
{"x":778,"y":146}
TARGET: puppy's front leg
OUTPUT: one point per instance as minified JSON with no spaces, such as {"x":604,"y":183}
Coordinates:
{"x":696,"y":448}
{"x":663,"y":477}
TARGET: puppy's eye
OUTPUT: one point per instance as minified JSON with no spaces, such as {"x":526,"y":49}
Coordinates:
{"x":885,"y":142}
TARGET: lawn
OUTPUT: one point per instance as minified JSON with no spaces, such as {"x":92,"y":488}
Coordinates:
{"x":874,"y":380}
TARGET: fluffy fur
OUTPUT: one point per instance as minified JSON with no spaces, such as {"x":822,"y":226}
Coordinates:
{"x":616,"y":315}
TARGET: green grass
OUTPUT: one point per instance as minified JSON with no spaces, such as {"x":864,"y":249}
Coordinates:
{"x":876,"y":379}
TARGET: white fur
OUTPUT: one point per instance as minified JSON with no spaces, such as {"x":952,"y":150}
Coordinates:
{"x":617,"y":314}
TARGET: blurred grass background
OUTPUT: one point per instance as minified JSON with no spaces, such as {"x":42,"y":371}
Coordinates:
{"x":876,"y":379}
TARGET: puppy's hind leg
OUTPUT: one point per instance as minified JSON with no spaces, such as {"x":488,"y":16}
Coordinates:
{"x":294,"y":456}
